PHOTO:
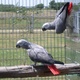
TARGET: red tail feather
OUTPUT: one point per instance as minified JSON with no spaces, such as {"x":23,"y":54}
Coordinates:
{"x":53,"y":69}
{"x":70,"y":8}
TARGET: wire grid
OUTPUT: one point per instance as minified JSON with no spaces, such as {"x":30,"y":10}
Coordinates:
{"x":27,"y":24}
{"x":73,"y":42}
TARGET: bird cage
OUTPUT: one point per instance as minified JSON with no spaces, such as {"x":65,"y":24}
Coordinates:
{"x":23,"y":19}
{"x":73,"y":42}
{"x":76,"y":22}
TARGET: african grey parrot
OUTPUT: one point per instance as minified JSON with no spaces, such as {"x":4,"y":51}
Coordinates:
{"x":60,"y":21}
{"x":38,"y":54}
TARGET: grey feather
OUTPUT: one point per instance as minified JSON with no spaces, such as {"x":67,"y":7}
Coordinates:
{"x":59,"y":23}
{"x":37,"y":53}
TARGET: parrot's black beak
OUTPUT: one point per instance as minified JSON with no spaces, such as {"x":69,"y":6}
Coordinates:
{"x":17,"y":46}
{"x":43,"y":29}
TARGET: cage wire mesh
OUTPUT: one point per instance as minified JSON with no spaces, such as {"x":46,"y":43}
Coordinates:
{"x":21,"y":19}
{"x":73,"y":39}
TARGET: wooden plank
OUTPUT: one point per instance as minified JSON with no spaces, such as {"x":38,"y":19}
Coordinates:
{"x":23,"y":71}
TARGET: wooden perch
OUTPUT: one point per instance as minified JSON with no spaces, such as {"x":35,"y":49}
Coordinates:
{"x":40,"y":70}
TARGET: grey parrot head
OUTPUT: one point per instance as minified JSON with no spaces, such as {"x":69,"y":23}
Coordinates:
{"x":45,"y":26}
{"x":22,"y":43}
